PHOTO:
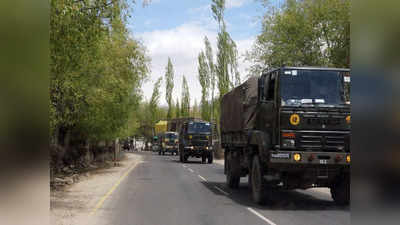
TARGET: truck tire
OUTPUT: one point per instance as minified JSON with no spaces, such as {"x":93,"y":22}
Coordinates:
{"x":210,"y":158}
{"x":249,"y":177}
{"x":340,"y":191}
{"x":258,"y":184}
{"x":225,"y":162}
{"x":233,"y":171}
{"x":203,"y":159}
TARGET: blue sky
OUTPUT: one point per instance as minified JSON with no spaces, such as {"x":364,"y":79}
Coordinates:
{"x":176,"y":29}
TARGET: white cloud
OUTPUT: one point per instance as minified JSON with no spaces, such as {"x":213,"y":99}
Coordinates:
{"x":201,"y":9}
{"x":235,"y":3}
{"x":182,"y":44}
{"x":243,"y":46}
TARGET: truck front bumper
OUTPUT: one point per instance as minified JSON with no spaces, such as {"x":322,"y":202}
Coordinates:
{"x":170,"y":148}
{"x":312,"y":169}
{"x":197,"y":151}
{"x":310,"y":158}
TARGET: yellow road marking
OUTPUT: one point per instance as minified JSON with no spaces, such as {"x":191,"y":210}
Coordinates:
{"x":104,"y":198}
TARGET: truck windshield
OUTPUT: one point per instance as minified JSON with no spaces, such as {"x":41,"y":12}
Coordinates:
{"x":300,"y":87}
{"x":170,"y":136}
{"x":199,"y":128}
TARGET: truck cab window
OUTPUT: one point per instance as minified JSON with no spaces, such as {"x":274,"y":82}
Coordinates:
{"x":266,"y":86}
{"x":271,"y":88}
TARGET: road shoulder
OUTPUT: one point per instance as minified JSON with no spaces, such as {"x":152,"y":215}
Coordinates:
{"x":73,"y":204}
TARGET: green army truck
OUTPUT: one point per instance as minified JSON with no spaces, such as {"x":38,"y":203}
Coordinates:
{"x":169,"y":143}
{"x":288,"y":129}
{"x":195,"y":139}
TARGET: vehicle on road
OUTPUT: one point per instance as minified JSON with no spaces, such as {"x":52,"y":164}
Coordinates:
{"x":288,"y":129}
{"x":195,"y":140}
{"x":169,"y":143}
{"x":155,"y":145}
{"x":126,"y":146}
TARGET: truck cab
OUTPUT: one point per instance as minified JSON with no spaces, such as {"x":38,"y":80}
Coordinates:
{"x":169,"y":143}
{"x":307,"y":110}
{"x":196,"y":141}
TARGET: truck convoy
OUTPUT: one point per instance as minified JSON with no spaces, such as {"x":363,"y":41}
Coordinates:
{"x":289,"y":128}
{"x":195,"y":139}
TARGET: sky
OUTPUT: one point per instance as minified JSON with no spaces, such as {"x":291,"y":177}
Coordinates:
{"x":176,"y":29}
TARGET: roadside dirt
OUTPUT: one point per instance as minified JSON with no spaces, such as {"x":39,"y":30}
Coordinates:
{"x":71,"y":205}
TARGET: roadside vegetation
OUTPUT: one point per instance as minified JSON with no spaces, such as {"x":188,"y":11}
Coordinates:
{"x":96,"y":71}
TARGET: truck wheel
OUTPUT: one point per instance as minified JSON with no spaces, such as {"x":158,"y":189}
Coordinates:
{"x":210,"y":158}
{"x":225,"y":162}
{"x":258,"y":184}
{"x":340,"y":192}
{"x":249,"y":177}
{"x":232,"y":174}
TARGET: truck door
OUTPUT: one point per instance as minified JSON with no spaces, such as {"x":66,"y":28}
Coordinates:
{"x":268,"y":106}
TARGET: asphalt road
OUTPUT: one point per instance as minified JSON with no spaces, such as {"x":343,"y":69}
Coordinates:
{"x":163,"y":191}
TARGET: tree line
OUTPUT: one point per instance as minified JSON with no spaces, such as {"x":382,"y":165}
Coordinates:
{"x":97,"y":68}
{"x":96,"y":71}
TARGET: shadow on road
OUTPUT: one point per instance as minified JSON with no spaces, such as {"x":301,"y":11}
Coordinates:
{"x":278,"y":200}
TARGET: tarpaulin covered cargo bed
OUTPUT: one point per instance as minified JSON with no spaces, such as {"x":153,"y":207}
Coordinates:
{"x":238,"y":107}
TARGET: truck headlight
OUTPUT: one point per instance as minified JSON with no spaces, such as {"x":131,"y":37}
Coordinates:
{"x":288,"y":143}
{"x":297,"y":157}
{"x":348,"y":158}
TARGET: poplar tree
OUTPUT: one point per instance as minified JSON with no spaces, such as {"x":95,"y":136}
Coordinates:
{"x":154,"y":102}
{"x":211,"y":70}
{"x":177,"y":109}
{"x":227,"y":66}
{"x":169,"y":87}
{"x":185,"y":99}
{"x":204,"y":78}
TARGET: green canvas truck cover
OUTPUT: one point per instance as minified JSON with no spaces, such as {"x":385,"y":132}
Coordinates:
{"x":238,"y":107}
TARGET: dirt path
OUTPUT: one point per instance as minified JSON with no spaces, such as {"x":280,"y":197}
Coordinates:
{"x":73,"y":204}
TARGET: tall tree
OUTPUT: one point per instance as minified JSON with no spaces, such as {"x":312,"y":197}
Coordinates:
{"x":169,"y":86}
{"x":195,"y":109}
{"x":204,"y":78}
{"x":303,"y":33}
{"x":211,"y":70}
{"x":185,"y":99}
{"x":177,"y":109}
{"x":154,"y":102}
{"x":96,"y":70}
{"x":227,"y":65}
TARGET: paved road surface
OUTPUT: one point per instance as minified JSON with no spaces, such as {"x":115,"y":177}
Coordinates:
{"x":163,"y":191}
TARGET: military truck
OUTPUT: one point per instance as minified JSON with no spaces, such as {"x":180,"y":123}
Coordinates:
{"x":155,"y":145}
{"x":195,"y":139}
{"x":288,"y":129}
{"x":169,"y":143}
